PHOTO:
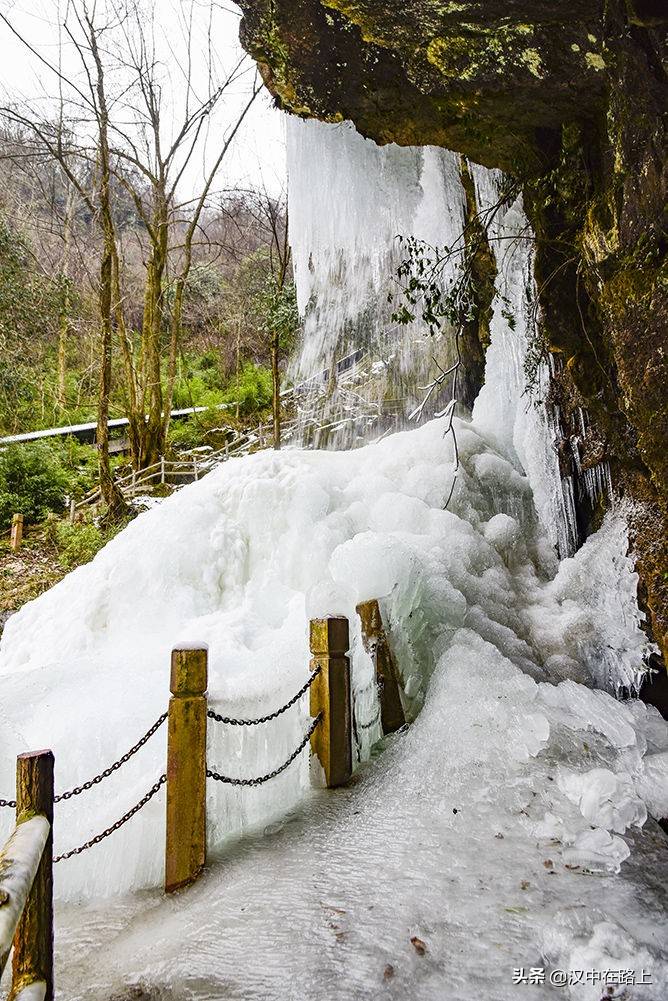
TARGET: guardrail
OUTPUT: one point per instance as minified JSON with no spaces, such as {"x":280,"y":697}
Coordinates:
{"x":195,"y":466}
{"x":26,"y":882}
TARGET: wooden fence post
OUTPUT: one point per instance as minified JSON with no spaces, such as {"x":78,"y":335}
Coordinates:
{"x":185,"y":851}
{"x":17,"y":532}
{"x":195,"y":471}
{"x":330,"y":695}
{"x":73,"y":510}
{"x":162,"y":469}
{"x":376,"y":645}
{"x":33,"y":943}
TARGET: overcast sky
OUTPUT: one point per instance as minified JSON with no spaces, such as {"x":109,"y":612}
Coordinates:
{"x":258,"y":155}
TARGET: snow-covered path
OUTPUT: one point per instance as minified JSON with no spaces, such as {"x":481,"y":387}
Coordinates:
{"x":439,"y":838}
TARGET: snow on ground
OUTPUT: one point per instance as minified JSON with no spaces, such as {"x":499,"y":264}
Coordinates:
{"x":497,"y":829}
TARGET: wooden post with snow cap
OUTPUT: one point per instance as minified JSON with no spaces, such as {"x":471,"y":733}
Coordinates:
{"x":185,"y":850}
{"x":32,"y":964}
{"x":376,"y":644}
{"x":17,"y":532}
{"x":331,"y":741}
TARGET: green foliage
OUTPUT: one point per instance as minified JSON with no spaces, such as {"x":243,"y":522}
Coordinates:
{"x":77,"y":544}
{"x":253,"y":393}
{"x":424,"y":290}
{"x":199,"y":382}
{"x":35,"y":478}
{"x":186,"y":433}
{"x":278,"y":314}
{"x":32,"y":482}
{"x":29,"y":305}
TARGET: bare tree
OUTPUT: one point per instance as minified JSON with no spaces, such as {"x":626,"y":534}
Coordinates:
{"x":143,"y":137}
{"x":279,"y":308}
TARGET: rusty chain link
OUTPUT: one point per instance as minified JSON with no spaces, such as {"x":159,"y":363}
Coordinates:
{"x":277,"y":771}
{"x":77,"y":790}
{"x":370,"y":723}
{"x":119,"y":823}
{"x":266,"y":719}
{"x":112,"y":768}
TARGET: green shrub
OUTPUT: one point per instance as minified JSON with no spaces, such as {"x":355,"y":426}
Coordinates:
{"x":186,"y":433}
{"x":33,"y":481}
{"x":77,"y":544}
{"x":253,"y":391}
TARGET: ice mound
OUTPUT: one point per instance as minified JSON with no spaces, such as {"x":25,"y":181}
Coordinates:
{"x":439,"y":839}
{"x":241,"y":560}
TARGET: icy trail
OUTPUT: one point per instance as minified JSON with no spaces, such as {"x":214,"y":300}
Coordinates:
{"x":443,"y":838}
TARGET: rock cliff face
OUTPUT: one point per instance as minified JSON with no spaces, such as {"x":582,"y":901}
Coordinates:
{"x":571,"y":100}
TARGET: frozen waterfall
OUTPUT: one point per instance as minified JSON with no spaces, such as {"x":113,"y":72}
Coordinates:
{"x":349,"y":201}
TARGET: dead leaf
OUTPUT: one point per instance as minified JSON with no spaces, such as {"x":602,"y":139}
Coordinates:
{"x":388,"y":972}
{"x":419,"y":946}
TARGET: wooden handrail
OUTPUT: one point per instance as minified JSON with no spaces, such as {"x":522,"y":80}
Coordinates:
{"x":376,"y":644}
{"x":19,"y":860}
{"x":238,"y":445}
{"x":26,"y":882}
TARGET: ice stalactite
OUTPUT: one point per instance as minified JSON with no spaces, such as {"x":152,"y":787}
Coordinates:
{"x":349,"y":202}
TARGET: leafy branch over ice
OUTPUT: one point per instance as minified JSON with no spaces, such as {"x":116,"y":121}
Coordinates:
{"x":440,"y":285}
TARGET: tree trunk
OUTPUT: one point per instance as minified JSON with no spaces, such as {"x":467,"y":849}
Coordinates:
{"x":238,"y":366}
{"x":64,"y":321}
{"x":276,"y":391}
{"x":158,"y":422}
{"x":111,"y":493}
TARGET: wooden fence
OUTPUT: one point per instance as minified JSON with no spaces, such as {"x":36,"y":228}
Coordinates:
{"x":26,"y":862}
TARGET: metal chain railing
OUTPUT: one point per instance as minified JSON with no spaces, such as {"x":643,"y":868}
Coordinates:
{"x":270,"y":775}
{"x":266,"y":719}
{"x":211,"y":773}
{"x":119,"y":823}
{"x":77,"y":790}
{"x":370,"y":724}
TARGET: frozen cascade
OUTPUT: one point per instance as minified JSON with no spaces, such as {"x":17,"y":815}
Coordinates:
{"x":345,"y":258}
{"x":498,"y":647}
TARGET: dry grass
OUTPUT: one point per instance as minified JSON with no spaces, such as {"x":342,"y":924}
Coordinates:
{"x":29,"y":572}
